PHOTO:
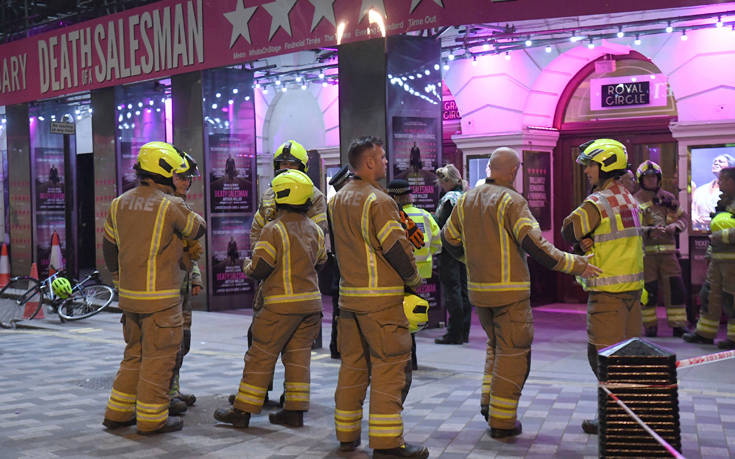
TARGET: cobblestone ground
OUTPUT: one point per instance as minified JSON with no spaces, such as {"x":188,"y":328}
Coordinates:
{"x":55,"y":380}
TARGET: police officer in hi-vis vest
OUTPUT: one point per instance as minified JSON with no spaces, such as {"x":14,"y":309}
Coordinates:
{"x":375,"y":263}
{"x":141,"y":230}
{"x":492,"y":228}
{"x":607,"y":225}
{"x":662,"y":219}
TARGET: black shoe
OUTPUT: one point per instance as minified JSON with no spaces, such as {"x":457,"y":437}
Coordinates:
{"x":503,"y":433}
{"x":176,"y":407}
{"x":173,"y":423}
{"x":485,"y":411}
{"x":591,"y":426}
{"x":726,"y":344}
{"x":406,"y":450}
{"x":651,"y":331}
{"x":348,"y":446}
{"x":232,"y":398}
{"x":288,"y":418}
{"x":232,"y":416}
{"x":696,"y":338}
{"x":678,"y":332}
{"x":446,"y":339}
{"x":189,"y":399}
{"x":112,"y":425}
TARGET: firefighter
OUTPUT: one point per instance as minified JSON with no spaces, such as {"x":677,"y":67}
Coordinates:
{"x":376,"y":263}
{"x":718,"y":292}
{"x":492,"y":229}
{"x":285,"y":260}
{"x":662,"y":220}
{"x":140,"y":246}
{"x":607,"y":225}
{"x":190,"y":286}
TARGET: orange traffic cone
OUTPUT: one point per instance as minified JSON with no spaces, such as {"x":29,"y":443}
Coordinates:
{"x":4,"y":266}
{"x":32,"y":304}
{"x":55,"y":260}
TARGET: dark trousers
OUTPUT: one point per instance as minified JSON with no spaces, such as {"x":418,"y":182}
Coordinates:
{"x":453,"y":277}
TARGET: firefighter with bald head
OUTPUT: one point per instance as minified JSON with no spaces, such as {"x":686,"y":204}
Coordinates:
{"x":662,"y":220}
{"x":140,"y":246}
{"x":376,"y":264}
{"x":285,"y":260}
{"x":607,"y":227}
{"x":492,"y":229}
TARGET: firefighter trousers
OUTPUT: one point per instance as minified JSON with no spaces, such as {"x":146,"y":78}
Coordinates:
{"x":509,"y":330}
{"x":716,"y":297}
{"x":376,"y":350}
{"x":662,"y":271}
{"x":142,"y":383}
{"x":287,"y":335}
{"x":611,"y":318}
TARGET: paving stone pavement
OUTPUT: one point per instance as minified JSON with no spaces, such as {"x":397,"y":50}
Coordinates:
{"x":55,"y":379}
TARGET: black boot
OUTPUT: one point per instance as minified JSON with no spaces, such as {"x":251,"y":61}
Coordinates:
{"x":504,"y":433}
{"x":173,"y":423}
{"x":288,"y":418}
{"x":678,"y":332}
{"x":112,"y":425}
{"x":348,"y":446}
{"x":405,"y":450}
{"x":232,"y":416}
{"x":726,"y":344}
{"x":591,"y":426}
{"x":176,"y":407}
{"x":652,"y":331}
{"x":189,"y":399}
{"x":696,"y":338}
{"x":446,"y":339}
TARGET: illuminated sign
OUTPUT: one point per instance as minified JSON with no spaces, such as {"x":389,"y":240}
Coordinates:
{"x":628,"y":91}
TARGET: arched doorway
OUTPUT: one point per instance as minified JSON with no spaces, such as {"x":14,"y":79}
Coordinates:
{"x":642,"y":128}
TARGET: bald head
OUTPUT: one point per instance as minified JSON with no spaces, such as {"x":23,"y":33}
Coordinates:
{"x":504,"y":164}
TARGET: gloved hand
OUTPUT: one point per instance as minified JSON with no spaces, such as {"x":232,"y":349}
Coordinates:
{"x":195,"y":250}
{"x":413,"y":233}
{"x":245,"y":264}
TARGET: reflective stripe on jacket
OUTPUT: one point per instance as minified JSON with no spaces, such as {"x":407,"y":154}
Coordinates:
{"x":432,"y":239}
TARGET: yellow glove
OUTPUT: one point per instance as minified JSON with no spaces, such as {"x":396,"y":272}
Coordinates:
{"x":195,"y":250}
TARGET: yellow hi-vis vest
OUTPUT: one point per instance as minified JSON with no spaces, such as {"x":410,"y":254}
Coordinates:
{"x":725,"y":222}
{"x":432,"y":239}
{"x":618,"y":248}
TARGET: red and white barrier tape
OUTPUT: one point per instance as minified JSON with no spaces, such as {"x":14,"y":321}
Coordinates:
{"x":640,"y":422}
{"x":705,"y":359}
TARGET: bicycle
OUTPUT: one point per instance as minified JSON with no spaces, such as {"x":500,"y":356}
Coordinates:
{"x":24,"y":296}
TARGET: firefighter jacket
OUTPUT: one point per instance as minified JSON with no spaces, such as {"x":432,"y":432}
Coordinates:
{"x":285,"y":259}
{"x":610,"y":217}
{"x":142,"y":234}
{"x":432,"y":239}
{"x":660,"y":209}
{"x":375,"y":259}
{"x":494,"y":228}
{"x":267,"y":212}
{"x":723,"y":234}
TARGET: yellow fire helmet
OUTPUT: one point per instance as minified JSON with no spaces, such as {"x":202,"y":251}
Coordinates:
{"x":648,"y":167}
{"x":61,"y":287}
{"x":161,"y":158}
{"x":416,"y":310}
{"x":291,"y":151}
{"x":292,"y":187}
{"x":722,"y":221}
{"x":608,"y":153}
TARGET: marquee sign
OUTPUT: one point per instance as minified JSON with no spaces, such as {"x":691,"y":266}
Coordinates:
{"x":628,"y":92}
{"x":178,"y":36}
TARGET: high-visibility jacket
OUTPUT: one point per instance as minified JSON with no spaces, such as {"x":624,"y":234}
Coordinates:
{"x":658,"y":210}
{"x":495,"y":228}
{"x":142,"y":229}
{"x":723,"y":234}
{"x":291,"y":246}
{"x":611,"y":217}
{"x":367,"y":232}
{"x":267,"y":212}
{"x":432,"y":239}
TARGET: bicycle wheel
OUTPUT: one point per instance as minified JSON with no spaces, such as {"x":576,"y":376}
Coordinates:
{"x":19,"y":300}
{"x":86,"y":302}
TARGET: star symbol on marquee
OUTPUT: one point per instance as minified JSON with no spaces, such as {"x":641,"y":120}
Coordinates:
{"x":323,"y":9}
{"x":279,"y":11}
{"x":239,"y":20}
{"x":368,"y":5}
{"x":415,"y":3}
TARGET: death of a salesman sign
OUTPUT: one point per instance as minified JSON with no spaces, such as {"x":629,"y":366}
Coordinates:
{"x":537,"y":186}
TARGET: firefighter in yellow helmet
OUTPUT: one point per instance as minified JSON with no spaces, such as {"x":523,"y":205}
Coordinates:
{"x":492,"y":229}
{"x":285,"y":260}
{"x":141,"y":230}
{"x":607,"y":225}
{"x":376,"y":264}
{"x":719,"y":290}
{"x":662,"y":220}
